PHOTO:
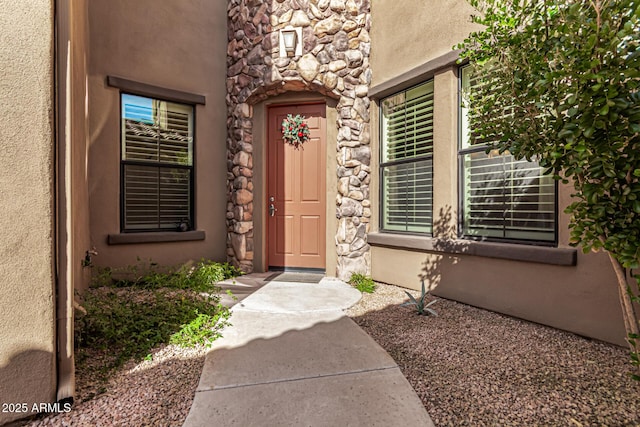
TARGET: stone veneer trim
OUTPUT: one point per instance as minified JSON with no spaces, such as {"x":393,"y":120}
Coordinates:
{"x":335,"y":64}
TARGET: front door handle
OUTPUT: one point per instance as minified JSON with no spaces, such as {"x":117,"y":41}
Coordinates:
{"x":272,"y":210}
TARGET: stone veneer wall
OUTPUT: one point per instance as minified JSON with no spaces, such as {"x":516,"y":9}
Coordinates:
{"x":334,"y":63}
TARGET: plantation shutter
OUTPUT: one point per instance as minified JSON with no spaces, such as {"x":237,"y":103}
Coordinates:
{"x":503,"y":197}
{"x":157,"y":154}
{"x":407,"y":163}
{"x":507,"y":198}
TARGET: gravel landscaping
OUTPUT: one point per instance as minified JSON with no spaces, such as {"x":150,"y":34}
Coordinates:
{"x":474,"y":367}
{"x":469,"y":366}
{"x":156,"y":392}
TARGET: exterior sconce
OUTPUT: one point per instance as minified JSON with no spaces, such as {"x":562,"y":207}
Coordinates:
{"x":290,"y":41}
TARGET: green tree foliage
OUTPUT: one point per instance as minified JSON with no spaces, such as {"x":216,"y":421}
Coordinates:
{"x":564,"y":90}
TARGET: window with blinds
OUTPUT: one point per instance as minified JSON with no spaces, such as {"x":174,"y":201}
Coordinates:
{"x":406,"y":167}
{"x":156,"y":165}
{"x":502,"y":197}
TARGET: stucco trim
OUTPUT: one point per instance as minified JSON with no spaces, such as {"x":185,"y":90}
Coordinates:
{"x":144,"y":89}
{"x":415,"y":76}
{"x":155,"y":237}
{"x":510,"y":251}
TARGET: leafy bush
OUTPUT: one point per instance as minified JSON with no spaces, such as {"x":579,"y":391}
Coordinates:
{"x":421,"y":304}
{"x":199,"y":277}
{"x":568,"y":74}
{"x":126,"y":318}
{"x":203,"y":329}
{"x":362,"y":283}
{"x":129,"y":323}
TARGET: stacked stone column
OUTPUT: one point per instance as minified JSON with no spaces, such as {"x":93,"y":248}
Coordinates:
{"x":334,"y":63}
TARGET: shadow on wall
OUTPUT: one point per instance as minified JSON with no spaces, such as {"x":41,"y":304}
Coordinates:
{"x":27,"y":380}
{"x":445,"y":246}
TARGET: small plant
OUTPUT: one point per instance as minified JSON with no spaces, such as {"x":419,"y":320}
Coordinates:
{"x":202,"y":330}
{"x":362,"y":283}
{"x":421,"y":304}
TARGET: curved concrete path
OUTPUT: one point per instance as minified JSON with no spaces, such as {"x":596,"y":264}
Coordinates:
{"x":292,"y":358}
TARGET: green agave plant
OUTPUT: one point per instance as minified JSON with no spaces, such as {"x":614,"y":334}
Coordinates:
{"x":421,"y":304}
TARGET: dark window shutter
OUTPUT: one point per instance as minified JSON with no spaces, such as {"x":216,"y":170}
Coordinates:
{"x":157,"y":164}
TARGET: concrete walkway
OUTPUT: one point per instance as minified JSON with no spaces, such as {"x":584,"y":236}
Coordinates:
{"x":292,"y":358}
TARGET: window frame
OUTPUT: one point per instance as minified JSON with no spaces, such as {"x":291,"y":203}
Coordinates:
{"x":386,"y":164}
{"x":461,"y":153}
{"x":123,"y":162}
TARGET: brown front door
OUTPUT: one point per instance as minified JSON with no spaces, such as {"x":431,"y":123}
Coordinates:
{"x":296,"y":188}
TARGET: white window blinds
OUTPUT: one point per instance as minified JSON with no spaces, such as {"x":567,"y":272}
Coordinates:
{"x":502,"y":197}
{"x":407,"y":160}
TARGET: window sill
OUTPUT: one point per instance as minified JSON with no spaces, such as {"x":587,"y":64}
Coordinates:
{"x":509,"y":251}
{"x":155,"y":237}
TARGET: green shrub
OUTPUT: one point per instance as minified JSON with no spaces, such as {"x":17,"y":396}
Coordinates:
{"x":129,"y":322}
{"x":127,"y":317}
{"x":362,"y":283}
{"x":201,"y":330}
{"x":201,"y":276}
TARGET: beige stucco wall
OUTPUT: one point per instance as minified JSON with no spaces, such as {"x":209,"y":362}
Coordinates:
{"x":581,"y":298}
{"x":27,"y":300}
{"x":77,"y":122}
{"x":72,"y":201}
{"x":175,"y":45}
{"x":404,"y":34}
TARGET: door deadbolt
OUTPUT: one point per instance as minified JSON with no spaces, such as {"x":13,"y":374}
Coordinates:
{"x":272,"y":208}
